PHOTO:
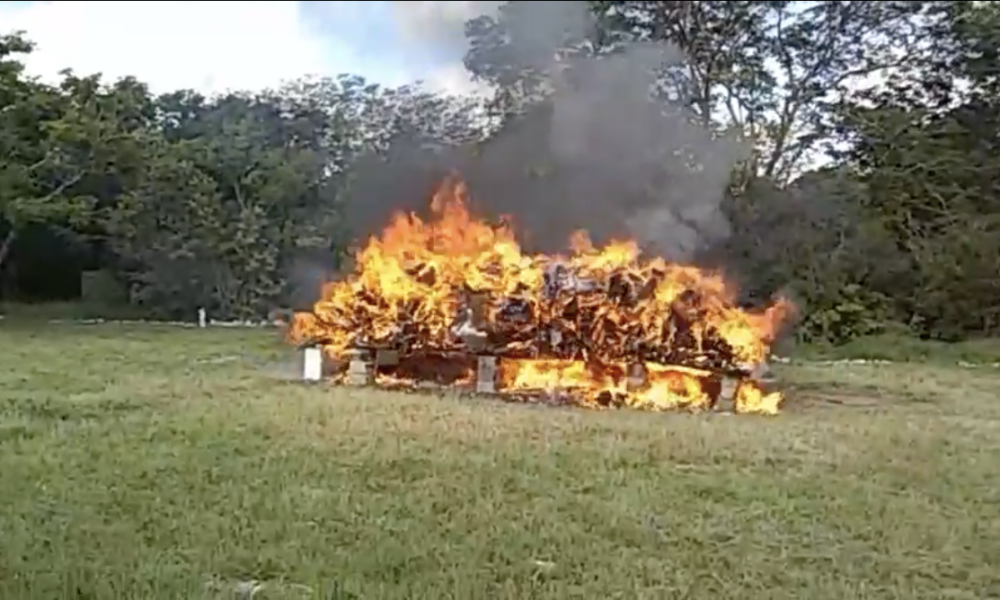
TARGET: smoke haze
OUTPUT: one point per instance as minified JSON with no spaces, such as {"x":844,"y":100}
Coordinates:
{"x":596,"y":153}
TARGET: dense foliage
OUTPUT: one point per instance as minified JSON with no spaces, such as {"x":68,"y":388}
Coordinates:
{"x":223,"y":202}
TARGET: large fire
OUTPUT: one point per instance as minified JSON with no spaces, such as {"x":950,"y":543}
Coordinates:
{"x":602,"y":325}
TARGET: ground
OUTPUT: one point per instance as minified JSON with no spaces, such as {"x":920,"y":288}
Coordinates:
{"x":157,"y":462}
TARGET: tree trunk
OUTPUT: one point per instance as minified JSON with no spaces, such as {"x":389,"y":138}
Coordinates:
{"x":5,"y":247}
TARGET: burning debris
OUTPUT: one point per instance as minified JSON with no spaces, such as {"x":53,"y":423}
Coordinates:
{"x":454,"y":301}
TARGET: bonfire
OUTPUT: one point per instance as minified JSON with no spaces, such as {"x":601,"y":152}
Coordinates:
{"x":601,"y":327}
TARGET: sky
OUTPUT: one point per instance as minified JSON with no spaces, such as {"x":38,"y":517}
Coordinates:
{"x":218,"y":46}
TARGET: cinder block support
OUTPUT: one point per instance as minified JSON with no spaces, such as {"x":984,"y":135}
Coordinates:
{"x":486,"y":375}
{"x":726,"y":402}
{"x":360,"y":368}
{"x":635,"y":377}
{"x":312,"y":364}
{"x":762,"y":372}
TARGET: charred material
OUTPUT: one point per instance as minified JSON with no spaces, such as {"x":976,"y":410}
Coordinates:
{"x":575,"y":319}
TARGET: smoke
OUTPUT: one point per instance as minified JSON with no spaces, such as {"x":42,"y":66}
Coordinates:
{"x":591,"y":150}
{"x":440,"y":25}
{"x":307,"y":271}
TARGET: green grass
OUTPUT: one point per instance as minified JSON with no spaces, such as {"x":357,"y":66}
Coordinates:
{"x":906,"y":348}
{"x":170,"y":463}
{"x":72,"y":311}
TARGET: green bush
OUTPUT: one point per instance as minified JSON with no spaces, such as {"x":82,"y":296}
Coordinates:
{"x":102,"y":288}
{"x":852,"y":313}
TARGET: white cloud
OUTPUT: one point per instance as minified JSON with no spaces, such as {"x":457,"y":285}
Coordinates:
{"x":439,"y":26}
{"x":208,"y":46}
{"x":440,"y":22}
{"x":218,"y":46}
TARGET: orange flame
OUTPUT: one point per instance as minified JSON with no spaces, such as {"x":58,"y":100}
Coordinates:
{"x":411,"y":284}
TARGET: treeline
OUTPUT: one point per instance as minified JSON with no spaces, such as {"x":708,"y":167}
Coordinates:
{"x":231,"y":202}
{"x":188,"y":201}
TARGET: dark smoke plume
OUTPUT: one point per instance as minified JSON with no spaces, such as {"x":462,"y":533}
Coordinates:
{"x":595,"y":151}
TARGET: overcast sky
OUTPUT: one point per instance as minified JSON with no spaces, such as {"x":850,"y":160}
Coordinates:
{"x":215,"y":46}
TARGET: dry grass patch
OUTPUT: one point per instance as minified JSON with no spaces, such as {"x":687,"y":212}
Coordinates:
{"x":162,"y":463}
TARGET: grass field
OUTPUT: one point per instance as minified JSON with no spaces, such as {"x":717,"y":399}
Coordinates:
{"x":155,"y":462}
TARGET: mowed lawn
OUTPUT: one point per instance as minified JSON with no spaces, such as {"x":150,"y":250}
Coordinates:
{"x":156,"y":462}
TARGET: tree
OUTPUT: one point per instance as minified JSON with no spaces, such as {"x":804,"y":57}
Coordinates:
{"x":35,"y":172}
{"x":517,"y":51}
{"x":926,"y":144}
{"x":62,"y":147}
{"x":227,"y":193}
{"x":774,"y":70}
{"x":694,"y":126}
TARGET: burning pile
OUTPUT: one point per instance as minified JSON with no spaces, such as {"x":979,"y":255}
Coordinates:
{"x":599,"y":325}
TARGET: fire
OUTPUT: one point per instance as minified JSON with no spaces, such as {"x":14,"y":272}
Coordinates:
{"x":605,"y":324}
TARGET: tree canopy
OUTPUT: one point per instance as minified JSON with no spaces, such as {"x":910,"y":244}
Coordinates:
{"x":855,"y":145}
